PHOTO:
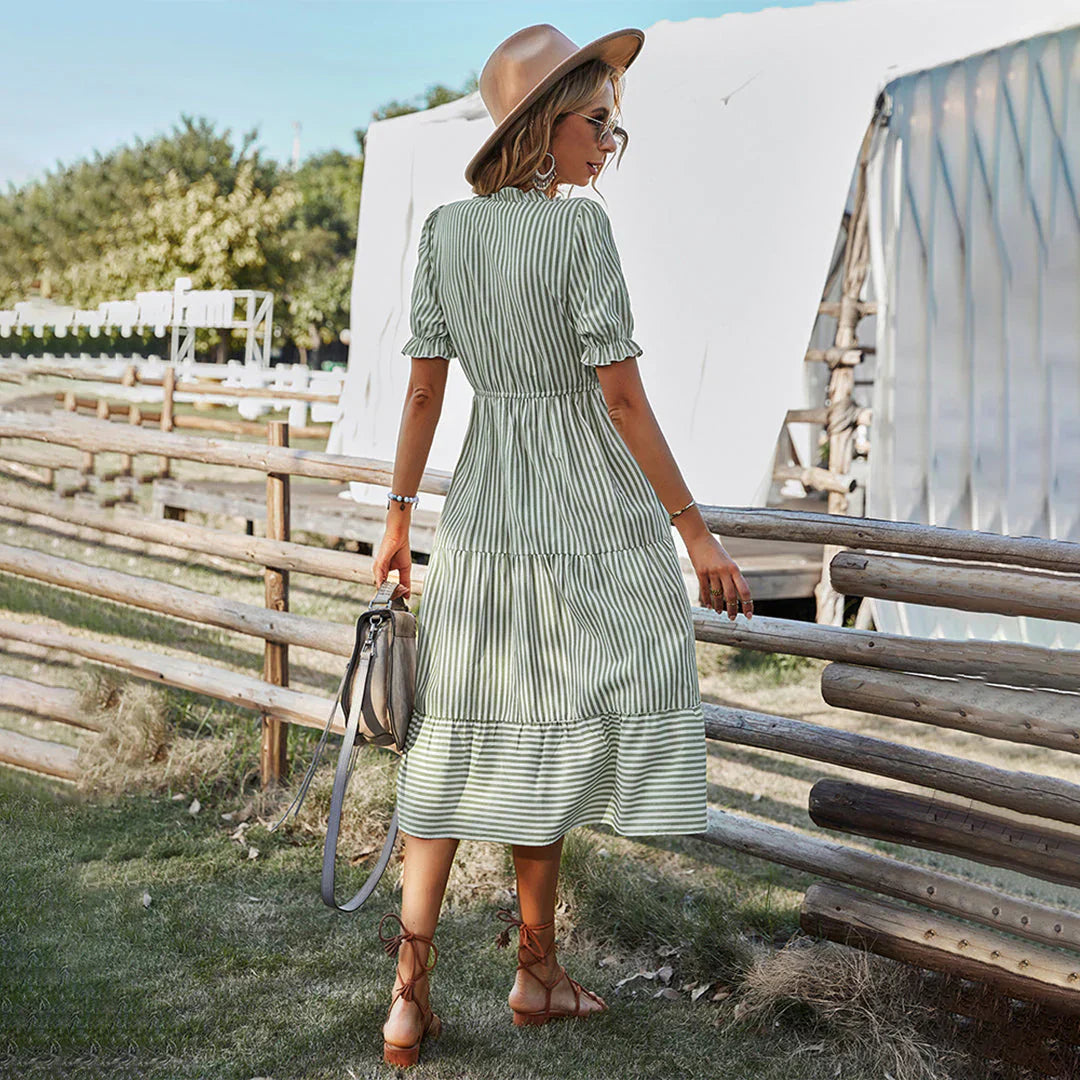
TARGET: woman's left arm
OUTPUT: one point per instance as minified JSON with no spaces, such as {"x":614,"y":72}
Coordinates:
{"x":419,"y":418}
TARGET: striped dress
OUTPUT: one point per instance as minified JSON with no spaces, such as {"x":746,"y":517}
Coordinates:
{"x":556,"y":680}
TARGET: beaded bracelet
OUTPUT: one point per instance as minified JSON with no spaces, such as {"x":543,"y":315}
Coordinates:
{"x":678,"y":512}
{"x":402,"y":499}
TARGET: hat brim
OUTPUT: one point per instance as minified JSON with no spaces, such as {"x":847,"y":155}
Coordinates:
{"x":619,"y":49}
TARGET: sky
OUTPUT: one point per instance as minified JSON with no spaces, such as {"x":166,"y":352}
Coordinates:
{"x":82,"y":76}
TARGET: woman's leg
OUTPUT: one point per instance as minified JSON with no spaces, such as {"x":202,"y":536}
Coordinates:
{"x":537,"y":881}
{"x":425,"y":872}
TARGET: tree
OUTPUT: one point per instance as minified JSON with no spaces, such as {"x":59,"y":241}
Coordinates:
{"x":60,"y":222}
{"x":220,"y":239}
{"x":319,"y":238}
{"x":196,"y":203}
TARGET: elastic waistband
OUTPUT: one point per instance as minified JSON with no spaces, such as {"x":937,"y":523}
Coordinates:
{"x":537,"y":393}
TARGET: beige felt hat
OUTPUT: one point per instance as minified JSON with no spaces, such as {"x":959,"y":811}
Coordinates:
{"x":533,"y":59}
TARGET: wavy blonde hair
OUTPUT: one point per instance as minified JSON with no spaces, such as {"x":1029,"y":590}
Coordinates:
{"x":519,"y":154}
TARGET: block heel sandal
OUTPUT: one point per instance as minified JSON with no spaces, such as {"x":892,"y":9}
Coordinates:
{"x":531,"y":944}
{"x":393,"y":1053}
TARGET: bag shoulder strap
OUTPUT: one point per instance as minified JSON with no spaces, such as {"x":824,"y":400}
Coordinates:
{"x":359,"y":667}
{"x":300,"y":795}
{"x":350,"y":670}
{"x":345,"y":764}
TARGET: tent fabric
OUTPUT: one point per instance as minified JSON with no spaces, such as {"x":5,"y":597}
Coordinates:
{"x":976,"y":231}
{"x":744,"y":132}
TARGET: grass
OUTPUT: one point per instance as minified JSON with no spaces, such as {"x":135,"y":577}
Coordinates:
{"x":770,"y":669}
{"x":141,"y":940}
{"x":235,"y":968}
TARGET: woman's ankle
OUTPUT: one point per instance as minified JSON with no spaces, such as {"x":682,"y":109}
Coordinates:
{"x":538,"y":951}
{"x":420,"y":980}
{"x":413,"y":957}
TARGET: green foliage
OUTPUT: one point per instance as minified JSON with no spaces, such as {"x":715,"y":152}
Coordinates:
{"x":220,"y":239}
{"x":319,"y":240}
{"x":27,"y":344}
{"x":58,"y":234}
{"x":198,"y":203}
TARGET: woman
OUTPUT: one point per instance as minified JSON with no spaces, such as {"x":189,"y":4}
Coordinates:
{"x":556,"y":680}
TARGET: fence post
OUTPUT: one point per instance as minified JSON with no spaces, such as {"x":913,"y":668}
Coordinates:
{"x":841,"y":411}
{"x":168,"y":390}
{"x":71,"y":404}
{"x":274,"y":757}
{"x":102,"y":412}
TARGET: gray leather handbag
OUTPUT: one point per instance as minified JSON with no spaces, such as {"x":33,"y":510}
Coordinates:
{"x":376,"y":697}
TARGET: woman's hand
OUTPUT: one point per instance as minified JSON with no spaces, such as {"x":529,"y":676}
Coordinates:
{"x":720,"y":582}
{"x":394,"y":554}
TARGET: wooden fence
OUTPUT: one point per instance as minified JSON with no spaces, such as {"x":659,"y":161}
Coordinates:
{"x":75,"y":478}
{"x":999,"y":690}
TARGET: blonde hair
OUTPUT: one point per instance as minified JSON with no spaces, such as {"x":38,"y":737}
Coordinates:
{"x":524,"y":147}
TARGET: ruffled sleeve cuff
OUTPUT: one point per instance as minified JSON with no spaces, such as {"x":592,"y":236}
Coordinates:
{"x":609,"y":352}
{"x":598,"y":299}
{"x":430,"y":346}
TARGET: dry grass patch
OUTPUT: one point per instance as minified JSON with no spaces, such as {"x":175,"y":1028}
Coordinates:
{"x":145,"y":747}
{"x":139,"y":748}
{"x":875,"y":1007}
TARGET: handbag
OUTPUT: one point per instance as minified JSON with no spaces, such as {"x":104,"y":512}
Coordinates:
{"x":376,"y":697}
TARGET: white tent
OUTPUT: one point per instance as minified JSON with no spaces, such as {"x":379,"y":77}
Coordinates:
{"x":974,"y":194}
{"x":744,"y":133}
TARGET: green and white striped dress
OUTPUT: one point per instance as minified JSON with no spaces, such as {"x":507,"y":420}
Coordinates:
{"x":556,"y":681}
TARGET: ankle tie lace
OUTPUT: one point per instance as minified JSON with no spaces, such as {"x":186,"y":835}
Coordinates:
{"x":393,"y":945}
{"x":528,"y":940}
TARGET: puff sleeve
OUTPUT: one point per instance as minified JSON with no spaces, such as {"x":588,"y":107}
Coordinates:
{"x":598,"y":298}
{"x":430,"y":336}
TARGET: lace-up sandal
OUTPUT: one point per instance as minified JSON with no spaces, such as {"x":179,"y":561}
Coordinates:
{"x":393,"y":1054}
{"x":532,"y":946}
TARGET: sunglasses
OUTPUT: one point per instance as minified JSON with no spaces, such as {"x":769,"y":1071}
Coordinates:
{"x":603,"y":127}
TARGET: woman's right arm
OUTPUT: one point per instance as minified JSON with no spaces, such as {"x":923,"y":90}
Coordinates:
{"x":419,"y":418}
{"x":633,"y":418}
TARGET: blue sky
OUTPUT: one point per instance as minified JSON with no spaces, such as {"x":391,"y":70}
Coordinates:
{"x":85,"y":76}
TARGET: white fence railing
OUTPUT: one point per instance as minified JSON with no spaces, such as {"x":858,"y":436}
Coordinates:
{"x":280,"y":377}
{"x":182,"y":311}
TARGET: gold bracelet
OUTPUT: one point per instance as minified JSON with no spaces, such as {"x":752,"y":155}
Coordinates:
{"x":678,"y":512}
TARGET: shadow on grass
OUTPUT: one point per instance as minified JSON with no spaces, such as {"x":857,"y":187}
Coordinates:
{"x":763,"y":760}
{"x":144,"y":942}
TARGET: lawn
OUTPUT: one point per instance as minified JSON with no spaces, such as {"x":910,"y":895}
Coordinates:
{"x":141,"y":940}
